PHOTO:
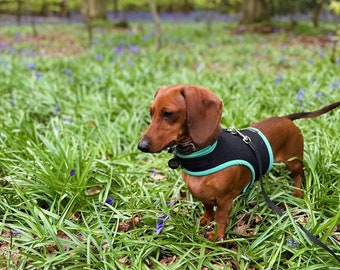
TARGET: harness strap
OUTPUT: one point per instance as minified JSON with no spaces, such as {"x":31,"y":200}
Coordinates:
{"x":277,"y":210}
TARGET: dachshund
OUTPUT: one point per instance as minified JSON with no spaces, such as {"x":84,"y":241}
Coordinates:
{"x":186,"y":118}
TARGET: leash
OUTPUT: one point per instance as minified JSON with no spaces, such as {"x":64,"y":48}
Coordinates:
{"x":273,"y":206}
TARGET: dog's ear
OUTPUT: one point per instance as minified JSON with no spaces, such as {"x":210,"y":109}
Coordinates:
{"x":159,"y":88}
{"x":204,"y":110}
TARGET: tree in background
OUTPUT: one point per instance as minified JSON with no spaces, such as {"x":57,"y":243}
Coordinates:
{"x":92,"y":9}
{"x":316,"y":12}
{"x":157,"y":22}
{"x":254,"y":11}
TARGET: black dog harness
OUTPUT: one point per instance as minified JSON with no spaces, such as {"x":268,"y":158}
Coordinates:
{"x":230,"y":149}
{"x":248,"y":147}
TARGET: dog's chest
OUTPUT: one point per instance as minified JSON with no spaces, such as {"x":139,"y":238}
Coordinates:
{"x":201,"y":188}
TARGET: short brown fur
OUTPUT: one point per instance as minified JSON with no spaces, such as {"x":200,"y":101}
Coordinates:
{"x":190,"y":115}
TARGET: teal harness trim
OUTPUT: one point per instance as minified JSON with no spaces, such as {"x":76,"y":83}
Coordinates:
{"x":200,"y":153}
{"x":269,"y":148}
{"x":234,"y":162}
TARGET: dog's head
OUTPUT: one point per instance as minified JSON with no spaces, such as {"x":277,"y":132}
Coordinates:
{"x":182,"y":114}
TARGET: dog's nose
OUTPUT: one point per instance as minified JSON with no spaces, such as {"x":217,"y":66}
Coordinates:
{"x":144,"y":146}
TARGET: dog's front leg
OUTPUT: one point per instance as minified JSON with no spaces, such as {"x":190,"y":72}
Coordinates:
{"x":208,"y":215}
{"x":222,"y":218}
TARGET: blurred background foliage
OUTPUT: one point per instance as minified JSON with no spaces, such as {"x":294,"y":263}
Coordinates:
{"x":264,"y":8}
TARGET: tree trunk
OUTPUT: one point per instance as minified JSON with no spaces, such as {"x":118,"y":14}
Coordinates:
{"x":254,"y":11}
{"x":115,"y":6}
{"x":316,"y":12}
{"x":210,"y":7}
{"x":94,"y":9}
{"x":19,"y":11}
{"x":157,"y":22}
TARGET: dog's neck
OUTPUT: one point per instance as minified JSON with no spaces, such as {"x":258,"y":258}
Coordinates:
{"x":188,"y":146}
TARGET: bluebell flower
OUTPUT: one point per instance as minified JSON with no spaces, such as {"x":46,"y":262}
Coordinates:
{"x":68,"y":72}
{"x":13,"y":232}
{"x":56,"y":109}
{"x":278,"y":79}
{"x":335,"y":85}
{"x":31,"y":66}
{"x":118,"y":49}
{"x":292,"y":243}
{"x":72,"y":172}
{"x":38,"y":76}
{"x":110,"y":201}
{"x":161,"y":222}
{"x":300,"y":94}
{"x":99,"y":57}
{"x":172,"y":203}
{"x":319,"y":94}
{"x":134,"y":49}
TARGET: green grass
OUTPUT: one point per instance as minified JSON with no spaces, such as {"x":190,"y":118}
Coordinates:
{"x":84,"y":114}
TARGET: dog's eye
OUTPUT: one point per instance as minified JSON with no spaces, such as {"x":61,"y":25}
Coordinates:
{"x":167,"y":115}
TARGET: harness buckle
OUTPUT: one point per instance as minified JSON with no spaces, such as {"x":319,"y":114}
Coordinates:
{"x":246,"y":139}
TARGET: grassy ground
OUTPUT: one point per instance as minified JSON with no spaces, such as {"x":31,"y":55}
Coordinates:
{"x":76,"y":193}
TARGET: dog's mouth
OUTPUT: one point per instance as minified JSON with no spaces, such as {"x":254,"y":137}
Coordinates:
{"x":170,"y":146}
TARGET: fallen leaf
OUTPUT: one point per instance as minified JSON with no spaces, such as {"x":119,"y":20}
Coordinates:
{"x":168,"y":260}
{"x":157,"y":176}
{"x":93,"y":191}
{"x":128,"y":225}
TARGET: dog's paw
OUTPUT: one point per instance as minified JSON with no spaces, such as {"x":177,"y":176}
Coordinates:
{"x":204,"y":221}
{"x":297,"y":193}
{"x":210,"y":235}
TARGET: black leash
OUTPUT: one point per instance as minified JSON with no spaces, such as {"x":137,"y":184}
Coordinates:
{"x":311,"y":237}
{"x":277,"y":210}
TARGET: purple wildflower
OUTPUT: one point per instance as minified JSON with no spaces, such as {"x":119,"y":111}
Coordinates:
{"x":292,"y":243}
{"x":319,"y":94}
{"x":110,"y":201}
{"x":161,"y":222}
{"x":99,"y":57}
{"x":31,"y":66}
{"x":72,"y":172}
{"x":300,"y":94}
{"x":13,"y":232}
{"x":68,"y":72}
{"x":38,"y":76}
{"x":118,"y":49}
{"x":278,"y":79}
{"x":172,"y":203}
{"x":335,"y":85}
{"x":57,"y":108}
{"x":134,"y":49}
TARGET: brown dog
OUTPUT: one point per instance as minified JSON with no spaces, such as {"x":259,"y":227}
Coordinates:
{"x":187,"y":118}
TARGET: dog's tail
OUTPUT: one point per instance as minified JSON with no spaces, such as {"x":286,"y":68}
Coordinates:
{"x":312,"y":114}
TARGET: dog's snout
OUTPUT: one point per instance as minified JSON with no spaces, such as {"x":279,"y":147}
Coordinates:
{"x":144,"y":146}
